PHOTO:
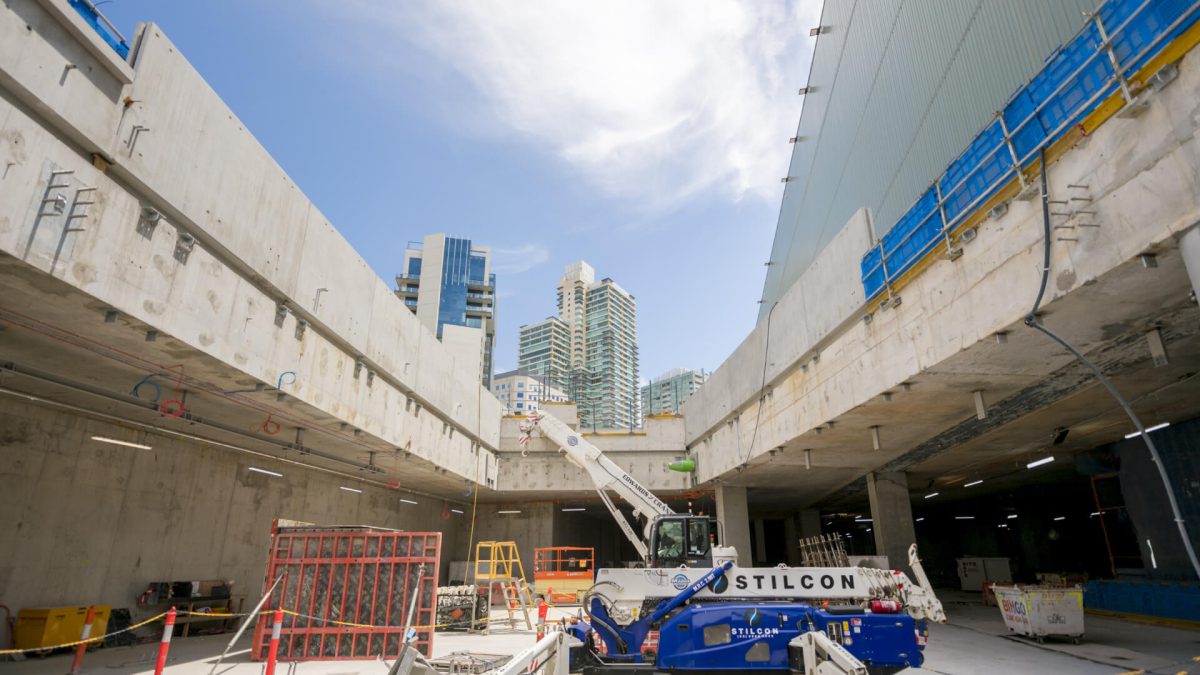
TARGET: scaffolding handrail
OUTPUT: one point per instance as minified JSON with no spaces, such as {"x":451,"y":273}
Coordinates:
{"x":887,"y":249}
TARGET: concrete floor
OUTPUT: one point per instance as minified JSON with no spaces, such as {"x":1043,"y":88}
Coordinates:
{"x":974,"y":641}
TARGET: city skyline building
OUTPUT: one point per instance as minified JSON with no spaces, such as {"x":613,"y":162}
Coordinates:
{"x":523,"y":392}
{"x":666,"y":393}
{"x":590,"y":349}
{"x":543,"y":351}
{"x":448,"y":283}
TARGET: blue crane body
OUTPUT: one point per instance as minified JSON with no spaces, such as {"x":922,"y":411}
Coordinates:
{"x":744,"y":635}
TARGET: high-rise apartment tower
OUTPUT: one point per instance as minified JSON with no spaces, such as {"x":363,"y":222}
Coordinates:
{"x":448,"y":283}
{"x":590,"y":349}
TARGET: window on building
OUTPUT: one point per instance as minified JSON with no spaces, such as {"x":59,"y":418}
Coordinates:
{"x":520,"y":394}
{"x":520,"y":405}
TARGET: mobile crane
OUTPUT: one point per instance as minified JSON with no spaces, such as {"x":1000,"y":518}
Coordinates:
{"x":727,"y":617}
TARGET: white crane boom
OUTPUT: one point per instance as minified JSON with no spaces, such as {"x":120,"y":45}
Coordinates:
{"x":605,"y":474}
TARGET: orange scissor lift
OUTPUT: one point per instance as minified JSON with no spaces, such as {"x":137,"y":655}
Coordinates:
{"x":562,"y":574}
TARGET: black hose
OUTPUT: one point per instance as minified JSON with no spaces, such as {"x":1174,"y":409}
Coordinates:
{"x":1032,"y":322}
{"x":587,"y":604}
{"x":1031,"y":317}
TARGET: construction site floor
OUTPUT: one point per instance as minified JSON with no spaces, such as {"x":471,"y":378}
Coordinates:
{"x":974,"y":641}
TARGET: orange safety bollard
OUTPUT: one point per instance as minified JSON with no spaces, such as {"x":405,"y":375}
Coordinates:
{"x":83,"y":635}
{"x":273,"y":649}
{"x":164,"y":645}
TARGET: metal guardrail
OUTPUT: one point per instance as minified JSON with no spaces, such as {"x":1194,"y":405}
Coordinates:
{"x":1073,"y":83}
{"x":108,"y":32}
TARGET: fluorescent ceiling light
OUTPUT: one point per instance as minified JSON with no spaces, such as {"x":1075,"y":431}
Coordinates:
{"x":868,"y":529}
{"x":1039,"y":462}
{"x":862,"y":520}
{"x":1011,"y":516}
{"x":1003,"y":525}
{"x":964,"y":517}
{"x":920,"y":519}
{"x":931,"y":495}
{"x":1095,"y":513}
{"x":973,"y":483}
{"x":573,"y":510}
{"x":510,"y":511}
{"x":350,"y":489}
{"x":1156,"y":427}
{"x":255,"y":469}
{"x":407,"y":501}
{"x":1061,"y":518}
{"x":114,"y":441}
{"x":458,"y":511}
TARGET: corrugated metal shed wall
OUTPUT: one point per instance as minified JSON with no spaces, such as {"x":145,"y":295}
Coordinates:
{"x":900,"y":87}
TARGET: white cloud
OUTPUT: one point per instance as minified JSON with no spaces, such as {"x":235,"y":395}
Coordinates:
{"x":520,"y":259}
{"x":655,"y":101}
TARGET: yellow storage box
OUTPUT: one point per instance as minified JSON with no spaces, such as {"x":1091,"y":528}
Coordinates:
{"x":45,"y":628}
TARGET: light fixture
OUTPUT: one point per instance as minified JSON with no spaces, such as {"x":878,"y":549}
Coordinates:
{"x":1003,"y":526}
{"x":1039,"y":462}
{"x":1095,"y":513}
{"x":1156,"y":427}
{"x":255,"y":469}
{"x":964,"y":517}
{"x":574,"y":510}
{"x":868,"y":529}
{"x":458,"y":511}
{"x":973,"y":483}
{"x":1060,"y":518}
{"x":862,"y":520}
{"x":920,"y":519}
{"x":509,"y":512}
{"x":931,"y":495}
{"x":114,"y":441}
{"x":407,"y":501}
{"x":350,"y":489}
{"x":1012,"y":516}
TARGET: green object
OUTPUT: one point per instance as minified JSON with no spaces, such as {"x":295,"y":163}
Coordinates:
{"x":683,"y":465}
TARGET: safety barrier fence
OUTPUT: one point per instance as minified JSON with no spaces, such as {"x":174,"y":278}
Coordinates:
{"x":1102,"y":67}
{"x":102,"y":26}
{"x":1169,"y":600}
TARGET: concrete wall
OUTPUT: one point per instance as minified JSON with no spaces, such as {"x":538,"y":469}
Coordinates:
{"x":90,"y":522}
{"x":260,"y":241}
{"x":1142,"y":176}
{"x":543,"y":467}
{"x":532,"y":528}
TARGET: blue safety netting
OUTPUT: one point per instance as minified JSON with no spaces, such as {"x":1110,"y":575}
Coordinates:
{"x":1075,"y":79}
{"x":89,"y":13}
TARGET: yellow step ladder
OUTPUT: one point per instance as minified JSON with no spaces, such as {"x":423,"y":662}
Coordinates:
{"x":498,"y":566}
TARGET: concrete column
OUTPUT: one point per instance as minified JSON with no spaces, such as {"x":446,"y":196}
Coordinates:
{"x":891,"y":517}
{"x":1189,"y":246}
{"x":735,"y":521}
{"x":792,"y":537}
{"x":810,"y":523}
{"x":760,"y":541}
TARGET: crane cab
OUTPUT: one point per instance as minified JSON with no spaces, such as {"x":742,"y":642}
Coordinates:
{"x":681,"y":539}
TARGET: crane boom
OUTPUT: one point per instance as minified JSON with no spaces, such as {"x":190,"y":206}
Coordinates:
{"x":605,"y":474}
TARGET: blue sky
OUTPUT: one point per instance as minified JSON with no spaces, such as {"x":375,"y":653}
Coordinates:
{"x":645,"y":138}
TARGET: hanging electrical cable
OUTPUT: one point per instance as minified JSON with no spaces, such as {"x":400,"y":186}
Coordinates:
{"x":1031,"y":320}
{"x":762,"y":388}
